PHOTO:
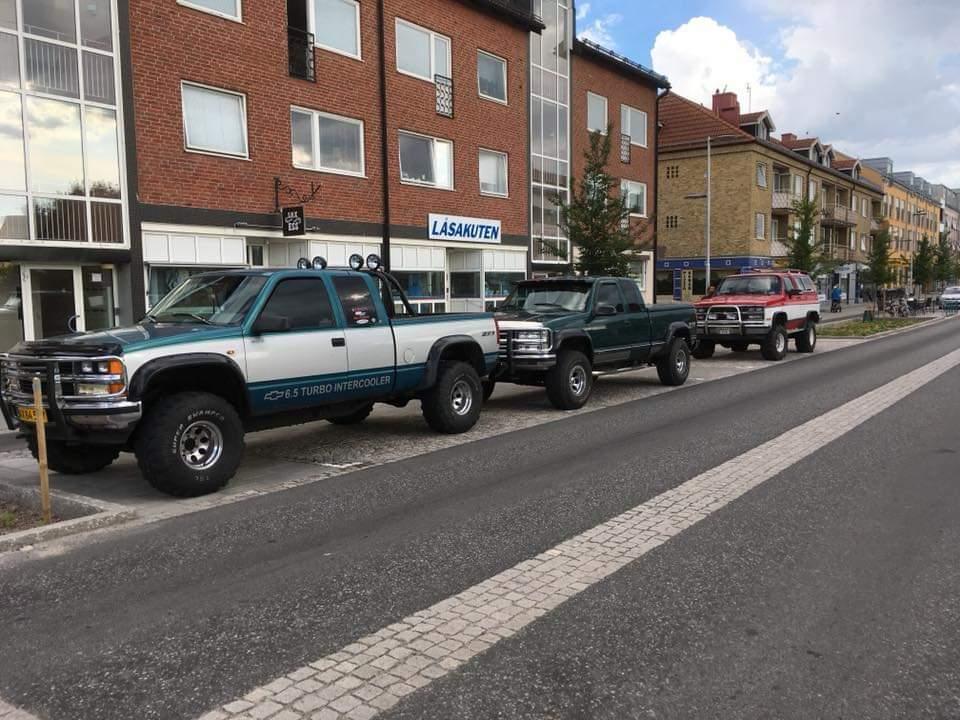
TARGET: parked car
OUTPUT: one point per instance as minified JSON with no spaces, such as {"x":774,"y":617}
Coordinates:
{"x":560,"y":333}
{"x":950,"y":299}
{"x":230,"y":352}
{"x":759,"y":308}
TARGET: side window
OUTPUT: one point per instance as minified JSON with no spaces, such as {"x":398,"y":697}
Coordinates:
{"x":358,"y":305}
{"x":303,"y":301}
{"x":609,"y":294}
{"x":631,"y":294}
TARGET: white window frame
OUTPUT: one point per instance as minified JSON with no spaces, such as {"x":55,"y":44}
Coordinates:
{"x":625,"y":189}
{"x":312,"y":27}
{"x":760,"y":223}
{"x":238,"y":18}
{"x":506,"y":168}
{"x":624,"y":115}
{"x":243,"y":115}
{"x":506,"y":89}
{"x":433,"y":59}
{"x":315,"y":142}
{"x":417,"y":183}
{"x":798,"y":185}
{"x":863,"y":207}
{"x":762,"y":167}
{"x":606,"y":113}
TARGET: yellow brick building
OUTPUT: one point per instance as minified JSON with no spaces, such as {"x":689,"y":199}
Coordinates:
{"x":755,"y":181}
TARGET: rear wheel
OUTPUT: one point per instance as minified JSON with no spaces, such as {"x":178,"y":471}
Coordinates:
{"x":807,"y":340}
{"x":570,"y":381}
{"x":453,"y":404}
{"x":674,"y":367}
{"x":357,"y":416}
{"x":704,"y":349}
{"x":190,"y":444}
{"x":74,"y":460}
{"x":774,"y":345}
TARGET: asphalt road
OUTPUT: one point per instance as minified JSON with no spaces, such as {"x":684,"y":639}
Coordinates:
{"x":828,"y":591}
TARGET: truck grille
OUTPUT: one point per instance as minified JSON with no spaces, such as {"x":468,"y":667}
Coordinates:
{"x":18,"y":371}
{"x":506,"y":337}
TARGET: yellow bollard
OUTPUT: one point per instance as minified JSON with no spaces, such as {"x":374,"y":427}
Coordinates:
{"x":41,"y":421}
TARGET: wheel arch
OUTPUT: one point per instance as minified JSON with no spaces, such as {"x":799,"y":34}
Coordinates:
{"x":454,"y":347}
{"x":191,"y":372}
{"x":575,"y":339}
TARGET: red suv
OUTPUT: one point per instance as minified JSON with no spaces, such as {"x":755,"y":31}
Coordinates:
{"x":759,"y":308}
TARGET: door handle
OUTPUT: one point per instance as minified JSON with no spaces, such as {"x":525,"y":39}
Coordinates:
{"x":339,"y":342}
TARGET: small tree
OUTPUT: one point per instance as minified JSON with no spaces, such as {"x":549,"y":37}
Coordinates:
{"x":878,"y":270}
{"x":945,"y":264}
{"x":923,"y":264}
{"x":597,"y":218}
{"x":802,"y":254}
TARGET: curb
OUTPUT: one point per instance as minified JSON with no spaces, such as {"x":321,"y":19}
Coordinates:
{"x":82,"y":515}
{"x":888,"y":333}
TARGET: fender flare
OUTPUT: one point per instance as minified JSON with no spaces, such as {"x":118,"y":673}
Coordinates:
{"x":679,"y":327}
{"x":147,"y":372}
{"x":574,"y":333}
{"x":443,"y":344}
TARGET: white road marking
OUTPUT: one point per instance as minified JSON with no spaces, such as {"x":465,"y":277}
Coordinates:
{"x":9,"y":712}
{"x":375,"y":672}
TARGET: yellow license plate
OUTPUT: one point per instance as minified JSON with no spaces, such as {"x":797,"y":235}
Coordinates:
{"x":29,"y":414}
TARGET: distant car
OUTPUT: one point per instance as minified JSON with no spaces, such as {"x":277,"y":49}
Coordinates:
{"x":950,"y":298}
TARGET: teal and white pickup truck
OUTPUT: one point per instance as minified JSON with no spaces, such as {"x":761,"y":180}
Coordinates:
{"x":231,"y":352}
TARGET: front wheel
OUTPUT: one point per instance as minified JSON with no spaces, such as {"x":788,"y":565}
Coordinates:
{"x":74,"y":460}
{"x":190,"y":444}
{"x":673,"y":368}
{"x":774,"y":345}
{"x":453,"y":404}
{"x":570,"y":381}
{"x":807,"y":340}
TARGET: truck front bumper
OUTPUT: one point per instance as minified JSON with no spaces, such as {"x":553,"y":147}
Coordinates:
{"x":738,"y":332}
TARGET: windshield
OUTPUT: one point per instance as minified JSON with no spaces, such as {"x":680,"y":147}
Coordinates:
{"x":548,"y":297}
{"x":750,"y":285}
{"x":951,"y":291}
{"x":210,"y":299}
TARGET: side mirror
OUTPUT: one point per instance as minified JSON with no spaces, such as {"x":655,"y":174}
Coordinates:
{"x":268,"y":323}
{"x":604,"y":310}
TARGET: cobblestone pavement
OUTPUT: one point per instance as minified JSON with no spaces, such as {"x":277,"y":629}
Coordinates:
{"x":374,"y":673}
{"x":289,"y":457}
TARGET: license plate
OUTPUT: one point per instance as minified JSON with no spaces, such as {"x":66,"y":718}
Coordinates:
{"x":724,"y":331}
{"x":29,"y":414}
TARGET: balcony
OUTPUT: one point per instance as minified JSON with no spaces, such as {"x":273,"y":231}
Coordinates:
{"x":300,"y":52}
{"x":784,"y":199}
{"x":839,"y":216}
{"x":444,"y":95}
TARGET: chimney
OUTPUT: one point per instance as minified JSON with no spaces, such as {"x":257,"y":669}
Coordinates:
{"x":727,"y":107}
{"x":788,"y":137}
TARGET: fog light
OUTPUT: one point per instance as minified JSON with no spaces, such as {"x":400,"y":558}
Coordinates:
{"x":319,"y":263}
{"x":303,"y":264}
{"x":86,"y":367}
{"x":373,"y":262}
{"x":356,"y":261}
{"x":93,"y":389}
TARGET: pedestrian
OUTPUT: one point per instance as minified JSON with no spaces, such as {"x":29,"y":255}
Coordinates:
{"x":711,"y":291}
{"x":835,"y":297}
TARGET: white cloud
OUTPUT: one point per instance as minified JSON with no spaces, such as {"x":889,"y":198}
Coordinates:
{"x":600,"y":29}
{"x":583,"y":10}
{"x":873,"y":77}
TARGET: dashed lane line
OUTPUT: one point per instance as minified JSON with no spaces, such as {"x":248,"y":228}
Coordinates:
{"x":372,"y":674}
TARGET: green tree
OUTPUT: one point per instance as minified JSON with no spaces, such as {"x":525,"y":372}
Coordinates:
{"x":923,"y":264}
{"x":945,"y":268}
{"x":879,"y":272}
{"x":597,"y":218}
{"x":802,"y":254}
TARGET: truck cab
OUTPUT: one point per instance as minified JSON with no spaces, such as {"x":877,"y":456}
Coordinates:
{"x":230,"y":352}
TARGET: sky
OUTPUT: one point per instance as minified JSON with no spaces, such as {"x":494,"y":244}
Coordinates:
{"x":872,"y":77}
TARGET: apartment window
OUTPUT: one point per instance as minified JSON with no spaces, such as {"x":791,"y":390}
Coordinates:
{"x":492,"y":76}
{"x":863,"y":243}
{"x":224,"y":8}
{"x":761,"y":175}
{"x":761,"y":226}
{"x":426,"y":160}
{"x":328,"y":143}
{"x":853,"y":201}
{"x":596,"y":113}
{"x":797,"y":185}
{"x":812,"y":191}
{"x":864,"y":207}
{"x":214,"y":121}
{"x":421,"y":52}
{"x":635,"y":194}
{"x":633,"y":122}
{"x":493,"y":173}
{"x":335,"y":25}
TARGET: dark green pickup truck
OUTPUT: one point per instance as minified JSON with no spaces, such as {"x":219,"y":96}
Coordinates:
{"x":561,"y":332}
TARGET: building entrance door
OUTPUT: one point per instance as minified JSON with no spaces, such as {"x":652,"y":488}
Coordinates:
{"x":53,"y":303}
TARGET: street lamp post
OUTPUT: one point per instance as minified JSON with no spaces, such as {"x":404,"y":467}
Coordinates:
{"x":707,"y":259}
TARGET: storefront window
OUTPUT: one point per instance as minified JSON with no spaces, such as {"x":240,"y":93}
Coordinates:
{"x":465,"y":284}
{"x":165,"y":279}
{"x":421,"y":285}
{"x":501,"y":284}
{"x":11,"y":322}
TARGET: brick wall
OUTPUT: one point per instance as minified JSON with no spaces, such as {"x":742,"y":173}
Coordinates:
{"x":619,"y":89}
{"x":172,"y":43}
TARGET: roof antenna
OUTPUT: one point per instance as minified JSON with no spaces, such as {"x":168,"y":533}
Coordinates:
{"x":749,"y":98}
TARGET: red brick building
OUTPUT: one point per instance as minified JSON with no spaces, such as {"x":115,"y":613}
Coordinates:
{"x":246,"y":107}
{"x":612,"y":93}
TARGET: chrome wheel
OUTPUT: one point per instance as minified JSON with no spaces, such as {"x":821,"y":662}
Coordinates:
{"x":781,"y":343}
{"x":461,"y":397}
{"x":201,"y":445}
{"x":681,"y":362}
{"x":578,"y":380}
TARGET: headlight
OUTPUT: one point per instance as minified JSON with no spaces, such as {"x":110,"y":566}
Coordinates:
{"x":538,"y":340}
{"x":752,"y":313}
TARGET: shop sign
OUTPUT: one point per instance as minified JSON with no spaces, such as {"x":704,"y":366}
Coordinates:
{"x":294,"y":221}
{"x":463,"y":229}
